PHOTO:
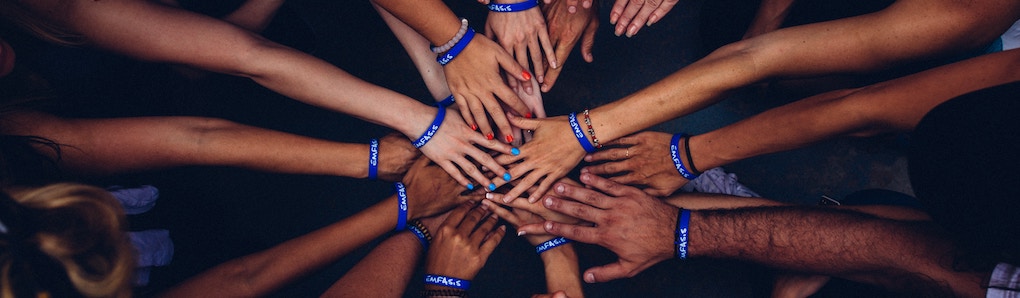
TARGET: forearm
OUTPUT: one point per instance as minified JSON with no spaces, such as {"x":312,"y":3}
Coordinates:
{"x":562,"y":272}
{"x":892,"y":106}
{"x":904,"y":256}
{"x":431,"y":18}
{"x":254,"y":15}
{"x":389,"y":266}
{"x":263,"y":272}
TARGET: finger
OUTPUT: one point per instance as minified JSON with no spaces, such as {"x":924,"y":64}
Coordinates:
{"x":499,"y":117}
{"x":614,"y":14}
{"x":630,"y":140}
{"x":588,"y":40}
{"x":492,"y":166}
{"x":550,"y":53}
{"x":521,"y":53}
{"x":628,"y":14}
{"x":607,"y":272}
{"x":610,"y":154}
{"x":495,"y":146}
{"x":543,"y":187}
{"x":471,"y":219}
{"x":457,"y":214}
{"x":629,"y":179}
{"x":488,"y":31}
{"x":454,"y":172}
{"x":485,"y":227}
{"x":537,"y":229}
{"x":526,"y":179}
{"x":641,"y":19}
{"x":512,"y":67}
{"x":465,"y":111}
{"x":607,"y":186}
{"x":581,"y":194}
{"x":573,"y":232}
{"x":493,"y":240}
{"x":661,"y":11}
{"x":471,"y":170}
{"x":503,"y":213}
{"x":562,"y":53}
{"x":478,"y":112}
{"x":572,"y":6}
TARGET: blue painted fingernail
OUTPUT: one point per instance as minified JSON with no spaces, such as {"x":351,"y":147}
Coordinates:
{"x":470,"y":186}
{"x":506,"y":176}
{"x":515,"y":151}
{"x":492,"y":186}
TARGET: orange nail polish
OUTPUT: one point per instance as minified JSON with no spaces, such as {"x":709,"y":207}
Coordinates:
{"x":488,"y":136}
{"x":509,"y":139}
{"x":526,"y":75}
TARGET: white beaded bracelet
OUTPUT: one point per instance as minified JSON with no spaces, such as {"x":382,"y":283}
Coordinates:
{"x":456,"y":38}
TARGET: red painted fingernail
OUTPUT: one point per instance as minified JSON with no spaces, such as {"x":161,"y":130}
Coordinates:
{"x":526,"y":75}
{"x":529,"y":115}
{"x":474,"y":127}
{"x":488,"y":136}
{"x":509,"y":139}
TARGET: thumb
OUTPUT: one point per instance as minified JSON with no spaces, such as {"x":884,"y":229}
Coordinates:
{"x":588,"y":41}
{"x":606,"y":273}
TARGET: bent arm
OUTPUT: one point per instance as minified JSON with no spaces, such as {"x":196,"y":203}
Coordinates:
{"x":108,"y":146}
{"x":905,"y":256}
{"x":263,"y":272}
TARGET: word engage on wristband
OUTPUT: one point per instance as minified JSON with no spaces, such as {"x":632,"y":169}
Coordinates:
{"x":552,"y":243}
{"x":373,"y":159}
{"x":447,"y":281}
{"x":513,"y":7}
{"x":673,"y":152}
{"x":432,"y":129}
{"x":402,"y":206}
{"x":579,"y":134}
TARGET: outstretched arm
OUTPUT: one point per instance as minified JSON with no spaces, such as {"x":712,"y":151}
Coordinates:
{"x":118,"y":145}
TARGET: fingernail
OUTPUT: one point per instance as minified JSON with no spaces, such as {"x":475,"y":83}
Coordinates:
{"x":509,"y":138}
{"x":585,"y":170}
{"x":586,"y":4}
{"x":589,"y":278}
{"x":506,"y":199}
{"x":548,"y":202}
{"x":470,"y":186}
{"x":586,"y":177}
{"x":521,"y":233}
{"x":541,"y":79}
{"x":526,"y":75}
{"x":506,"y":177}
{"x":618,"y":31}
{"x":572,"y":9}
{"x":652,"y":19}
{"x":612,"y":19}
{"x":492,"y":186}
{"x":474,"y":127}
{"x":548,"y":225}
{"x":515,"y":151}
{"x":529,"y":115}
{"x":489,"y":136}
{"x":489,"y":195}
{"x":555,"y":64}
{"x":561,"y":189}
{"x":632,"y":30}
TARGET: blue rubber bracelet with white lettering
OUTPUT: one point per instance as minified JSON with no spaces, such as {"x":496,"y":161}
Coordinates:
{"x":401,"y":206}
{"x":675,"y":154}
{"x":446,"y":281}
{"x":448,"y":101}
{"x":457,"y":48}
{"x":424,"y":138}
{"x":421,"y":236}
{"x":373,"y":159}
{"x":682,"y":222}
{"x":513,"y":7}
{"x":552,"y":243}
{"x":579,"y":134}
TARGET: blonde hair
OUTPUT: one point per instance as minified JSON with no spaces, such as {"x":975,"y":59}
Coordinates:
{"x":64,"y":239}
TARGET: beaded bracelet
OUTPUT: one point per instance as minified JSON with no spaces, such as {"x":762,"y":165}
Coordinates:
{"x":373,"y":159}
{"x":591,"y":131}
{"x":676,"y":158}
{"x":443,"y":293}
{"x":448,"y":101}
{"x":580,"y":134}
{"x":552,"y":243}
{"x":401,"y":206}
{"x":424,"y":138}
{"x":513,"y":7}
{"x":682,"y":221}
{"x":419,"y":230}
{"x":457,"y":48}
{"x":446,"y":281}
{"x":454,"y":40}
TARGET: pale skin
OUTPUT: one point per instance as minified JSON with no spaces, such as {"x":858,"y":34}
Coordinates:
{"x":138,"y":29}
{"x":854,"y":245}
{"x":263,"y":272}
{"x":474,"y":75}
{"x":888,"y":107}
{"x":901,"y":32}
{"x":121,"y":145}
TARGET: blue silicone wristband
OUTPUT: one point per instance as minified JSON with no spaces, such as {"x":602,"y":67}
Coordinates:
{"x":453,"y":52}
{"x":446,"y":281}
{"x":424,"y":138}
{"x":420,"y":234}
{"x":401,"y":206}
{"x":682,"y":222}
{"x":373,"y":159}
{"x":513,"y":7}
{"x":552,"y":243}
{"x":448,"y":101}
{"x":675,"y":154}
{"x":579,"y":134}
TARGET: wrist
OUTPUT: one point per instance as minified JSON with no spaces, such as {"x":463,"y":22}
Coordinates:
{"x":562,"y":253}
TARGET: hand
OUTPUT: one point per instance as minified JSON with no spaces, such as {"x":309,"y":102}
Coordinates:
{"x":637,"y":227}
{"x":630,"y":15}
{"x":453,"y":142}
{"x":538,"y":209}
{"x":464,"y":242}
{"x":430,"y":191}
{"x":537,"y":107}
{"x":644,"y":160}
{"x":565,"y":28}
{"x":546,"y":158}
{"x":474,"y":78}
{"x":519,"y":217}
{"x":521,"y":33}
{"x":396,"y":155}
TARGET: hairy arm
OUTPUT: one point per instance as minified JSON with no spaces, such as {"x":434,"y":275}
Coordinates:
{"x":906,"y":256}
